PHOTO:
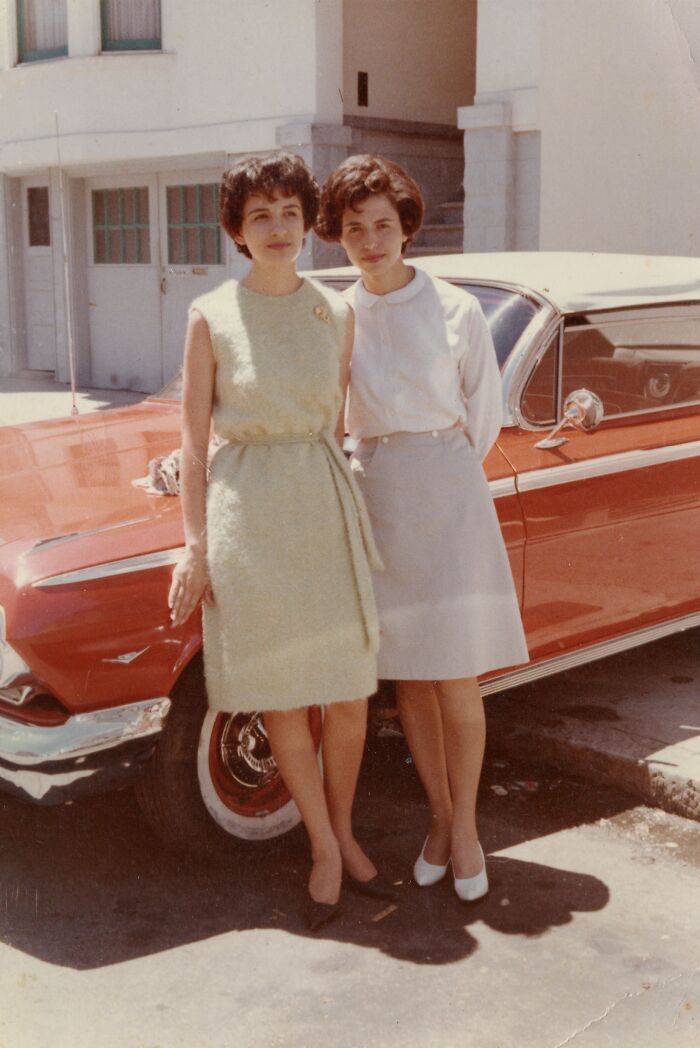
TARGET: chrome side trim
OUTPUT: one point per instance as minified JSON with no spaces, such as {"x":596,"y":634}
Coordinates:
{"x":31,"y":745}
{"x":144,"y":562}
{"x":502,"y":487}
{"x":71,"y":536}
{"x":601,"y":650}
{"x":606,"y":465}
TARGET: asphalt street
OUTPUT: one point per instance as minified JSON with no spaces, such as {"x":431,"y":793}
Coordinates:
{"x":589,"y":936}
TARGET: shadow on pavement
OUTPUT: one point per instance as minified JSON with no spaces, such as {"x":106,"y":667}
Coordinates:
{"x":87,"y":885}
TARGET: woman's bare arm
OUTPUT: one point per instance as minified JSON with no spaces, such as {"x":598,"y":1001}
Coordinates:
{"x":190,"y":578}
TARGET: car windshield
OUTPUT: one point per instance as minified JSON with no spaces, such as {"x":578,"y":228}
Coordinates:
{"x":507,"y":312}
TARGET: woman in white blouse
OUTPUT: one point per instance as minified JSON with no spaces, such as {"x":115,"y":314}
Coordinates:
{"x":425,"y":406}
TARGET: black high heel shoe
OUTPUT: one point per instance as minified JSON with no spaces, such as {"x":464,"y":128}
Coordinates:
{"x":319,"y":913}
{"x":376,"y":887}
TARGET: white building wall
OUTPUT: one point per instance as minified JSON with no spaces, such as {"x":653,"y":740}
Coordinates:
{"x":620,"y":117}
{"x":204,"y":93}
{"x":585,"y":130}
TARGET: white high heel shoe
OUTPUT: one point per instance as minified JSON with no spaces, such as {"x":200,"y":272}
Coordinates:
{"x":426,"y":873}
{"x":469,"y":889}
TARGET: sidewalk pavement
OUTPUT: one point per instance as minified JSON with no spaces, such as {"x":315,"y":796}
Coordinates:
{"x":32,"y":396}
{"x":632,"y":720}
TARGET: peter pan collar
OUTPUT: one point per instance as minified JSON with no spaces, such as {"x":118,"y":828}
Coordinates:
{"x":402,"y":294}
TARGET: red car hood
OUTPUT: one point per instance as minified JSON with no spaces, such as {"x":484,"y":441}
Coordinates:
{"x":73,"y":478}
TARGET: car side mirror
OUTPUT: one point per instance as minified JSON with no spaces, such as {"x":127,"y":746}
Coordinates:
{"x":583,"y":410}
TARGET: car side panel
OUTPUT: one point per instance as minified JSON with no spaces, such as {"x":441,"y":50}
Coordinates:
{"x":612,"y":519}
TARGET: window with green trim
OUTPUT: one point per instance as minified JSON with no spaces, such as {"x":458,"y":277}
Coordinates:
{"x":130,"y":25}
{"x":194,"y":236}
{"x":42,"y":29}
{"x":121,"y":233}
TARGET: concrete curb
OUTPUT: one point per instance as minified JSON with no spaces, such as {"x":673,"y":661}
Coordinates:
{"x":647,"y":780}
{"x":632,"y":720}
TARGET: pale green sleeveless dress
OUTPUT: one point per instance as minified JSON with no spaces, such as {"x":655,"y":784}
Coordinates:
{"x":289,"y":543}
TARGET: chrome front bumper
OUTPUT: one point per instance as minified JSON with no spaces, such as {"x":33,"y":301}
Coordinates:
{"x":89,"y":753}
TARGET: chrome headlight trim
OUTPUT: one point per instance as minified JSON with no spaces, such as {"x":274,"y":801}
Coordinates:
{"x":12,"y":665}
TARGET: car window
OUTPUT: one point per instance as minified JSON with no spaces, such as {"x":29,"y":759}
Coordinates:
{"x":507,"y":313}
{"x":538,"y":401}
{"x":636,"y":360}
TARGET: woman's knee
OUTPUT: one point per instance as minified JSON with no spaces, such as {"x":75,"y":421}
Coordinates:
{"x":460,"y":700}
{"x":347,"y":715}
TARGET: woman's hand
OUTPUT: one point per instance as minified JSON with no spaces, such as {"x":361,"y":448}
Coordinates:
{"x":190,"y":584}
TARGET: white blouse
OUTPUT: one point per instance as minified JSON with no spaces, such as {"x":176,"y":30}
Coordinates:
{"x":423,"y":359}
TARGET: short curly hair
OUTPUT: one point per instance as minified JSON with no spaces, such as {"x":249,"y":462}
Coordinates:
{"x":360,"y":177}
{"x":285,"y":173}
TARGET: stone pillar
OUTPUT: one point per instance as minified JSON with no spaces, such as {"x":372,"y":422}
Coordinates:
{"x":323,"y":147}
{"x":489,"y":177}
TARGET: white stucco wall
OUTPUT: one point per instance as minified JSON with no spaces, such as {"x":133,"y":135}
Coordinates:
{"x":231,"y":72}
{"x":419,"y":57}
{"x":508,"y":45}
{"x":620,"y":117}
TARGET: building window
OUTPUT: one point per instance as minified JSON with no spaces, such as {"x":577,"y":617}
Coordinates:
{"x":363,"y":89}
{"x":130,"y":25}
{"x":194,"y":236}
{"x":38,"y":215}
{"x":121,"y":233}
{"x":42,"y":29}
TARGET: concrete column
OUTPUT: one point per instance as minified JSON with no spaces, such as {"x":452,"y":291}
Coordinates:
{"x":489,"y":177}
{"x":328,"y":24}
{"x":323,"y":147}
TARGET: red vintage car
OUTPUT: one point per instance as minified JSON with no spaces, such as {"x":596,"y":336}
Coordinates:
{"x":601,"y":519}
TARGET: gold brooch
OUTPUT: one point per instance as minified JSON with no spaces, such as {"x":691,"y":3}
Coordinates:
{"x":321,"y":313}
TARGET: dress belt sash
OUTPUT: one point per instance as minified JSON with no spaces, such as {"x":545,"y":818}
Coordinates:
{"x":360,"y":539}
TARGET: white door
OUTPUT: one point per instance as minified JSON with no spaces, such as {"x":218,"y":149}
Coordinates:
{"x":192,"y":250}
{"x":40,"y":314}
{"x":124,"y":283}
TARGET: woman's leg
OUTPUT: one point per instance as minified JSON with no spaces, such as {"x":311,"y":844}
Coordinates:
{"x":464,"y":727}
{"x":344,"y":732}
{"x":422,"y":724}
{"x":293,"y":748}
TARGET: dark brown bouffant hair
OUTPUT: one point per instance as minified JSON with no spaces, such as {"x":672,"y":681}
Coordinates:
{"x":360,"y":177}
{"x":283,"y":173}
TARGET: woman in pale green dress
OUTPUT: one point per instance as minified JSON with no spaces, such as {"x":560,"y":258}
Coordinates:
{"x":278,"y":543}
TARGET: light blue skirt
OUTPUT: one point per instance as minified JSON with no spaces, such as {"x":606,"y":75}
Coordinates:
{"x":446,"y":600}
